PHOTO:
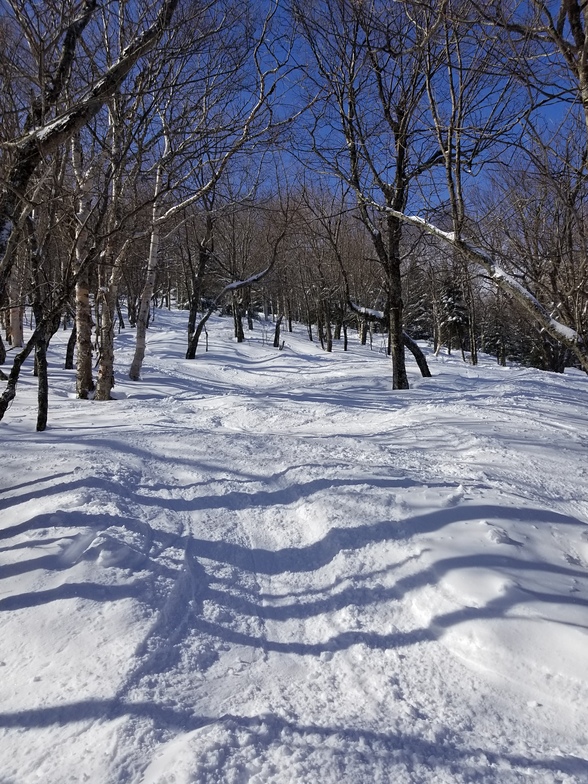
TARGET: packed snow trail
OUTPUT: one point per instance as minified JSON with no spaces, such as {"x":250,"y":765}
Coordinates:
{"x":265,"y":566}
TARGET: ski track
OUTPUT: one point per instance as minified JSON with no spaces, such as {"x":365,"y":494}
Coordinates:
{"x":241,"y":572}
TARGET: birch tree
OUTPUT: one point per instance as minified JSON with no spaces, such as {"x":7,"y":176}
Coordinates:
{"x":247,"y":93}
{"x":86,"y":201}
{"x":55,"y":114}
{"x":48,"y":124}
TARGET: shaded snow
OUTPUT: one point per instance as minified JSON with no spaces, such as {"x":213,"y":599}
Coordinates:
{"x":265,"y":566}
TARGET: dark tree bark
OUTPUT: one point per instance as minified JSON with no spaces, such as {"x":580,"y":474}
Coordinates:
{"x":277,"y":331}
{"x":420,"y":358}
{"x":42,"y":379}
{"x":70,"y":349}
{"x":238,"y":319}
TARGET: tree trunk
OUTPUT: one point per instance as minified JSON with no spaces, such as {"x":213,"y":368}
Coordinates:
{"x":238,"y":319}
{"x":399,"y":376}
{"x":363,"y":331}
{"x":277,"y":331}
{"x":16,"y":314}
{"x":111,"y":264}
{"x":83,"y":332}
{"x":42,"y":379}
{"x":149,"y":285}
{"x":108,"y":297}
{"x":145,"y":305}
{"x":70,"y":349}
{"x":328,"y":328}
{"x":320,"y":329}
{"x":193,"y":342}
{"x":396,"y":316}
{"x":119,"y":315}
{"x":10,"y":391}
{"x":420,"y":358}
{"x":205,"y":246}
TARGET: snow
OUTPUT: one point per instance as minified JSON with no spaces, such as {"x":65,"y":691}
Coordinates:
{"x":369,"y":312}
{"x":239,"y":284}
{"x":561,"y":330}
{"x":265,"y":566}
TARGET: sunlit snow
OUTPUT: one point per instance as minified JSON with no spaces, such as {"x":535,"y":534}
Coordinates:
{"x":265,"y":566}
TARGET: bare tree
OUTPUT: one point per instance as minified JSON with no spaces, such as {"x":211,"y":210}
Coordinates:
{"x":370,"y":63}
{"x":55,"y":113}
{"x":534,"y":29}
{"x":207,"y":149}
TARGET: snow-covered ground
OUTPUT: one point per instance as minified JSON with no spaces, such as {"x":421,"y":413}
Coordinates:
{"x":266,"y":566}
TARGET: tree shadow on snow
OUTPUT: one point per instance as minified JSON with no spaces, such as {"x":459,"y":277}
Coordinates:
{"x":322,"y":552}
{"x":93,"y":537}
{"x":195,"y":582}
{"x":367,"y":747}
{"x":307,"y":559}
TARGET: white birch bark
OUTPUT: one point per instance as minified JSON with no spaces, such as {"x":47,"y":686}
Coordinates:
{"x":149,"y":285}
{"x":83,"y":310}
{"x":29,"y":150}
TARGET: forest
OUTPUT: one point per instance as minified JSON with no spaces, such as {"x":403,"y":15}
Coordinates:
{"x":416,"y":169}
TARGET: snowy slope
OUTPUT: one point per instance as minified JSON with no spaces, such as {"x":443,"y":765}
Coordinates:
{"x":265,"y":566}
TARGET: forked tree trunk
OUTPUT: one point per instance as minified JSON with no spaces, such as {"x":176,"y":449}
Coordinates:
{"x":420,"y":358}
{"x":195,"y":338}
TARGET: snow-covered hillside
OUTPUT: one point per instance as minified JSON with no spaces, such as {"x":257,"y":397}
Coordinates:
{"x":266,"y":566}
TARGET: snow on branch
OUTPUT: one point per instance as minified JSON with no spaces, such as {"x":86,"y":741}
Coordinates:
{"x":240,"y":284}
{"x":368,"y":313}
{"x":566,"y":335}
{"x":54,"y":133}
